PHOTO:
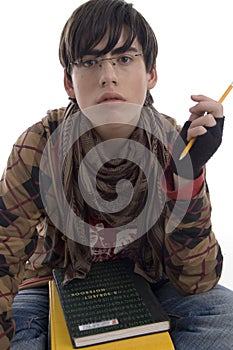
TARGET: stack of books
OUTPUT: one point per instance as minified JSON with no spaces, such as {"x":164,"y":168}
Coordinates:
{"x":111,"y":309}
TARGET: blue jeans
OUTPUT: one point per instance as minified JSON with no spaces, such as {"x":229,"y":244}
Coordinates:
{"x":198,"y":322}
{"x":201,"y":321}
{"x":31,"y":314}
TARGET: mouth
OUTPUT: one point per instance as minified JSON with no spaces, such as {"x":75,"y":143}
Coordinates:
{"x":110,"y":98}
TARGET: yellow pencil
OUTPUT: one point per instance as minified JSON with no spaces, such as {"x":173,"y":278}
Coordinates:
{"x":191,"y":142}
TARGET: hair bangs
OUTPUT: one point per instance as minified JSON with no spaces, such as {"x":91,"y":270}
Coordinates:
{"x":105,"y":21}
{"x":110,"y":28}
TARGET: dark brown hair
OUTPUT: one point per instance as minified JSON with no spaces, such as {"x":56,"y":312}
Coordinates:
{"x":90,"y":22}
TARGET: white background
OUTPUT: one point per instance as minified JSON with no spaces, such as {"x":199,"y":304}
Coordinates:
{"x":195,"y":56}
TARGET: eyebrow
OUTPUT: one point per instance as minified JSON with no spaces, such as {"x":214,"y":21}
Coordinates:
{"x":117,"y":50}
{"x":121,"y":50}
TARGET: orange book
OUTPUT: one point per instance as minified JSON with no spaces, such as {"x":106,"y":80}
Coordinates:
{"x":60,"y":339}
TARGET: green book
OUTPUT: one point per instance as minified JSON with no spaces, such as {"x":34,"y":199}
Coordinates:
{"x":111,"y":303}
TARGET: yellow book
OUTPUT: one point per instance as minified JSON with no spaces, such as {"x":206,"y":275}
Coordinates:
{"x":60,"y":339}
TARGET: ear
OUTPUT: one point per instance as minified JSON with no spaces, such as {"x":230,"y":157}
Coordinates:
{"x":152,"y":78}
{"x":68,"y":86}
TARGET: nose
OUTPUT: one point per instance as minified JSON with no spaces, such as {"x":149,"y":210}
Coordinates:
{"x":107,"y":73}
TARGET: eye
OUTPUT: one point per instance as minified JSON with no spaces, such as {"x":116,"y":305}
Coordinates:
{"x":89,"y":63}
{"x":124,"y":59}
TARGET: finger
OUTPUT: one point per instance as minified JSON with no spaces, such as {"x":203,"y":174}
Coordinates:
{"x":195,"y":132}
{"x":205,"y":120}
{"x":209,"y":107}
{"x":199,"y":125}
{"x":199,"y":98}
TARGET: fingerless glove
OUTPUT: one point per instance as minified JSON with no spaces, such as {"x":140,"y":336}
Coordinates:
{"x":202,"y":150}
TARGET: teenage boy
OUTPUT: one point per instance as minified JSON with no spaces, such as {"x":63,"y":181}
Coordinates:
{"x":108,"y":52}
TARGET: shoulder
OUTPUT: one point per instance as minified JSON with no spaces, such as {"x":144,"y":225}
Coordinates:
{"x":53,"y":118}
{"x":49,"y":123}
{"x":45,"y":127}
{"x":165,"y":120}
{"x":170,"y":127}
{"x":171,"y":121}
{"x":31,"y":143}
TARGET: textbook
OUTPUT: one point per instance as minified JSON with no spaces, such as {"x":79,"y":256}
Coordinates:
{"x":111,"y":303}
{"x":60,"y":338}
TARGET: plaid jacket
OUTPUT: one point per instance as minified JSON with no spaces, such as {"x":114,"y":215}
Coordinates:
{"x":31,"y":245}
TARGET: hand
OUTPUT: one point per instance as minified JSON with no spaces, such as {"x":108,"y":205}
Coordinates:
{"x":206,"y":125}
{"x":204,"y":115}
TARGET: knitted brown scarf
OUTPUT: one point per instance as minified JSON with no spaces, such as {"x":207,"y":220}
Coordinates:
{"x":150,"y":135}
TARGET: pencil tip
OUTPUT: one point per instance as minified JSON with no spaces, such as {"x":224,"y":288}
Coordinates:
{"x":182,"y":156}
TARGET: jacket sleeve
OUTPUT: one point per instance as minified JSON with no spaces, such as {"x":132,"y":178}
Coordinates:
{"x":193,"y":259}
{"x":20,"y":213}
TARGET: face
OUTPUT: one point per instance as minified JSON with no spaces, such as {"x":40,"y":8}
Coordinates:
{"x":104,"y":82}
{"x":111,"y":83}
